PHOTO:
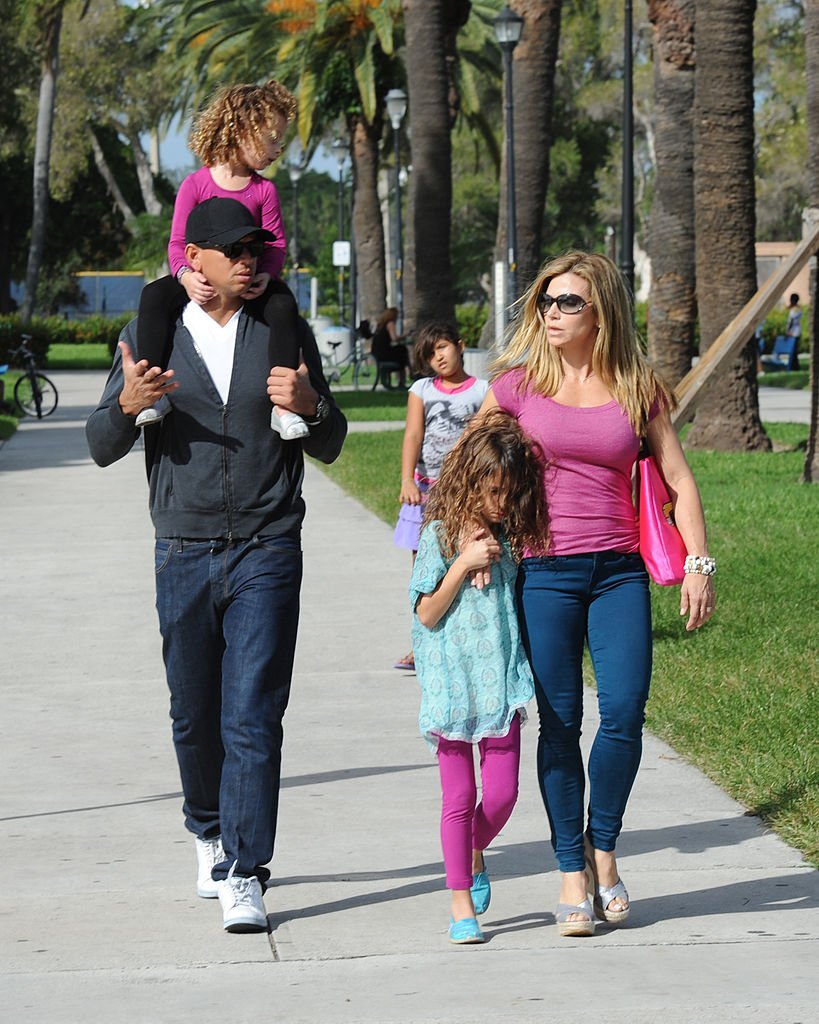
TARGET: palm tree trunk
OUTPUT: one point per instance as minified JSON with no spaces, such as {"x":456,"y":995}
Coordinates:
{"x":811,"y":470}
{"x":428,"y":292}
{"x":672,"y":303}
{"x":107,"y":176}
{"x":728,"y":417}
{"x":368,"y":228}
{"x":42,"y":156}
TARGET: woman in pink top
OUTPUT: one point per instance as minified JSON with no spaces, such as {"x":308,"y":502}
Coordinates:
{"x":237,"y":135}
{"x":576,"y":379}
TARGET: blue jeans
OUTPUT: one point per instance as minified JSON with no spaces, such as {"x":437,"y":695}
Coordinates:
{"x":228,"y":614}
{"x":603,"y":599}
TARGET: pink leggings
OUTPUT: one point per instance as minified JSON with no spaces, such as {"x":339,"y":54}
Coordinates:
{"x":463,"y":826}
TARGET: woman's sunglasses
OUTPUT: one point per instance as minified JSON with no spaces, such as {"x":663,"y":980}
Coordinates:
{"x":567,"y":303}
{"x":233,"y":250}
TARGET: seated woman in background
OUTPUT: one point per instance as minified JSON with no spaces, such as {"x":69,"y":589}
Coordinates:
{"x":388,"y":345}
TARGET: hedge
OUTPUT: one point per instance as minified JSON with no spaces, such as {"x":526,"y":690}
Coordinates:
{"x":48,"y":330}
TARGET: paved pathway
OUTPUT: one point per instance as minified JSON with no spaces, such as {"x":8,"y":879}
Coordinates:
{"x":100,"y":921}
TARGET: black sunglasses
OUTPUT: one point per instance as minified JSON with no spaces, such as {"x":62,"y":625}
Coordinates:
{"x":233,"y":250}
{"x":566,"y":303}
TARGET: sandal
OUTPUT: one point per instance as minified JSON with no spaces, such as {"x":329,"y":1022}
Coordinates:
{"x":407,"y":662}
{"x":567,"y":927}
{"x":603,"y":895}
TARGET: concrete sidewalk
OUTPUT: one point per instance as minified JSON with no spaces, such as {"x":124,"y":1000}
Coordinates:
{"x":100,"y":920}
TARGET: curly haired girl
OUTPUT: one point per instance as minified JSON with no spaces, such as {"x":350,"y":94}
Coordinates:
{"x":237,"y":135}
{"x":485,"y":509}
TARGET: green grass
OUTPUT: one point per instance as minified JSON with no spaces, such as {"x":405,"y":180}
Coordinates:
{"x":95,"y":356}
{"x":739,"y":698}
{"x":373,"y":405}
{"x":795,"y":380}
{"x":8,"y":425}
{"x":369,"y":468}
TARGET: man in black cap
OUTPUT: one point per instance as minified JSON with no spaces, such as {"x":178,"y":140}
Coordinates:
{"x":225,"y":499}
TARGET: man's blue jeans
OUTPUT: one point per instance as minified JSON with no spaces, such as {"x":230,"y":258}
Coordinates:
{"x":228,"y":614}
{"x":602,"y":598}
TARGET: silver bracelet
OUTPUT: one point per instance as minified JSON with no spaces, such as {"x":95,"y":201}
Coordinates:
{"x":180,"y":272}
{"x":703,"y":565}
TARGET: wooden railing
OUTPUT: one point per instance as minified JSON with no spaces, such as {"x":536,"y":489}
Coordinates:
{"x":741,"y":329}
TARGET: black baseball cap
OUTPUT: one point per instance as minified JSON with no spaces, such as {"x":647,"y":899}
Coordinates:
{"x":222,"y":221}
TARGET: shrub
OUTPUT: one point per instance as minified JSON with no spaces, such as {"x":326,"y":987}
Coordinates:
{"x":50,"y":330}
{"x":471,"y":317}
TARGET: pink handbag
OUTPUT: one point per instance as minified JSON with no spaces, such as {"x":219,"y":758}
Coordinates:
{"x":661,"y":545}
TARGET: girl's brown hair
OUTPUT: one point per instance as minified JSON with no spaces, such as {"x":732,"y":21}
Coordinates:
{"x":617,"y":358}
{"x":239,"y":115}
{"x":494,"y":442}
{"x":429,"y":336}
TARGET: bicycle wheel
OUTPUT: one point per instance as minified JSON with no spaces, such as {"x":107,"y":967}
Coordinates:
{"x":35,"y":395}
{"x":364,"y":372}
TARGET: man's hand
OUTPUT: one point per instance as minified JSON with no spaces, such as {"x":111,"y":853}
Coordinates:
{"x":257,"y":286}
{"x":144,"y":385}
{"x":292,"y":390}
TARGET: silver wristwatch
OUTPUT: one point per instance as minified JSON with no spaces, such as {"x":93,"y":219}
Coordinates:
{"x":321,"y":413}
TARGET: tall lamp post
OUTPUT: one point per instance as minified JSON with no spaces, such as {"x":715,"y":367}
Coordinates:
{"x":396,"y":101}
{"x":508,"y":27}
{"x":339,"y":150}
{"x":295,"y":168}
{"x":627,"y":227}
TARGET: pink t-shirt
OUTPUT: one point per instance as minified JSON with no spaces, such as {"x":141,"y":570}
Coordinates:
{"x":590,"y":454}
{"x":259,"y":196}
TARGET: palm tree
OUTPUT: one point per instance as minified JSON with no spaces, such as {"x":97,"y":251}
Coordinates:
{"x":431,"y":27}
{"x":337,"y":57}
{"x":728,"y":417}
{"x":343,"y":66}
{"x":672,"y":304}
{"x":811,"y":471}
{"x":47,"y":17}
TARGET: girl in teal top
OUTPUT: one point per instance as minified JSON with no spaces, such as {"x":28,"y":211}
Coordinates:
{"x":487,"y":506}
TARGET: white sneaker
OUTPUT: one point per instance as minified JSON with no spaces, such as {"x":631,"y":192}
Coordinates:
{"x":209,"y":853}
{"x":242,"y":903}
{"x":289,"y":424}
{"x":154,"y":413}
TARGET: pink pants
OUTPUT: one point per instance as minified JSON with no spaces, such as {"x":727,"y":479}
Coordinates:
{"x":465,"y":827}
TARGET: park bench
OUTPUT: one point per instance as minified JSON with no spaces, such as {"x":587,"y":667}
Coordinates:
{"x":784,"y":355}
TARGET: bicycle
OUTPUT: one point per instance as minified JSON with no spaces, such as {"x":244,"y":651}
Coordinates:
{"x":361,"y":361}
{"x":34,"y":393}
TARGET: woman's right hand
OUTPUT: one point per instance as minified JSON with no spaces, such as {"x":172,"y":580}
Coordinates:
{"x":197,"y":286}
{"x":410,"y":493}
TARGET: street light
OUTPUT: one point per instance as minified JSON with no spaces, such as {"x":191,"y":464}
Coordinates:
{"x":295,"y":168}
{"x":339,"y":151}
{"x":396,"y":100}
{"x":627,"y":226}
{"x":508,"y":27}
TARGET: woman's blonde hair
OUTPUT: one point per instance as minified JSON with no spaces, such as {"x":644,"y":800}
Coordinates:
{"x":617,"y":358}
{"x":494,"y":443}
{"x":239,"y":115}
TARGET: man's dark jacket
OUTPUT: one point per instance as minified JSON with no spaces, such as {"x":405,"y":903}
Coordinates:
{"x":217,"y":470}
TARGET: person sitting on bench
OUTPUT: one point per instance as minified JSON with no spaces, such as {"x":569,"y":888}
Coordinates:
{"x":388,"y":345}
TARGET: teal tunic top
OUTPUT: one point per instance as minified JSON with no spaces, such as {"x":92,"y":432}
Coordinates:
{"x":471,"y":665}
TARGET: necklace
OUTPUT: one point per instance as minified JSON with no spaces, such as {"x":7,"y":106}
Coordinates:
{"x":580,"y":380}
